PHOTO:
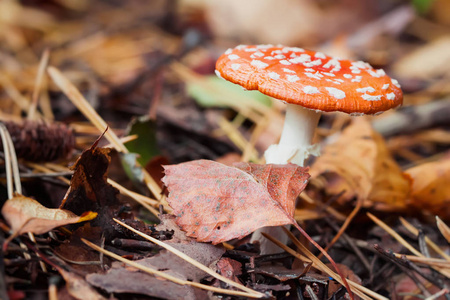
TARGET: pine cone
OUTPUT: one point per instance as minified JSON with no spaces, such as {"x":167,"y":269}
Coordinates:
{"x":39,"y":141}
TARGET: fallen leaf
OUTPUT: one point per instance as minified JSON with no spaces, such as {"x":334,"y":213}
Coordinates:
{"x":430,"y":189}
{"x":359,"y":165}
{"x":155,"y":168}
{"x":204,"y":253}
{"x":120,"y":279}
{"x":215,"y":92}
{"x":146,"y":144}
{"x":78,"y":288}
{"x":73,"y":249}
{"x":89,"y":189}
{"x":124,"y":279}
{"x":229,"y":268}
{"x":428,"y":61}
{"x":216,"y":203}
{"x":168,"y":223}
{"x":24,"y":214}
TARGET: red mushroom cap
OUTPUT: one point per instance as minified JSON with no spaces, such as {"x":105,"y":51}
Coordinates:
{"x":310,"y":79}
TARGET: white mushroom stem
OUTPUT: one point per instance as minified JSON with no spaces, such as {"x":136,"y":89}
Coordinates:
{"x":296,"y":139}
{"x":295,"y":146}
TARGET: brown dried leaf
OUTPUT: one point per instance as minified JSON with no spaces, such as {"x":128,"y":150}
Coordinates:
{"x":216,"y":203}
{"x":229,"y":268}
{"x":428,"y":61}
{"x":360,"y":165}
{"x":78,"y":288}
{"x":121,"y":279}
{"x":89,"y":189}
{"x":24,"y":214}
{"x":430,"y":189}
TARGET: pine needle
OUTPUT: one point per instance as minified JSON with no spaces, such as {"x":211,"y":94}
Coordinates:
{"x":359,"y":290}
{"x":429,"y":242}
{"x":444,"y":229}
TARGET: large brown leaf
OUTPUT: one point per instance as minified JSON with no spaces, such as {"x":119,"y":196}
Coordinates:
{"x":215,"y":203}
{"x":359,"y":165}
{"x":431,"y":189}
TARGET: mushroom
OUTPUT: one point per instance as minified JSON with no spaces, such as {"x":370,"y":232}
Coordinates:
{"x":310,"y":83}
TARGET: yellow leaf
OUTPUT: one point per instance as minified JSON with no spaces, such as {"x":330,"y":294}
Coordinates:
{"x":431,"y":189}
{"x":359,"y":165}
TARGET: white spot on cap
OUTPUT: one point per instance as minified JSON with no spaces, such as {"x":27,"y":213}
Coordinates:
{"x":229,"y":50}
{"x":333,"y":81}
{"x":257,"y":54}
{"x":357,"y":79}
{"x":292,"y":78}
{"x":259,"y":64}
{"x":348,"y":76}
{"x":307,"y":89}
{"x":380,"y":72}
{"x":273,"y":75}
{"x":311,"y":75}
{"x":356,"y":71}
{"x":329,"y":74}
{"x":395,"y":82}
{"x":313,"y":63}
{"x":336,"y":93}
{"x":320,"y":55}
{"x":285,"y":62}
{"x":280,"y":56}
{"x":233,"y":56}
{"x":250,"y":49}
{"x":235,"y":66}
{"x":300,"y":59}
{"x":361,"y":65}
{"x":288,"y":70}
{"x":385,"y":86}
{"x":240,"y":47}
{"x":333,"y":63}
{"x":366,"y":89}
{"x":269,"y":57}
{"x":371,"y":98}
{"x":374,"y":73}
{"x":218,"y":74}
{"x":276,"y":52}
{"x":318,"y":74}
{"x":294,"y":49}
{"x":309,"y":70}
{"x":390,"y":96}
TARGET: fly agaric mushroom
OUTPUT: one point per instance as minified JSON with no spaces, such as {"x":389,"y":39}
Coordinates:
{"x":310,"y":83}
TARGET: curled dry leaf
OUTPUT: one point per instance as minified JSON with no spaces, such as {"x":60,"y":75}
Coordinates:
{"x":430,"y":189}
{"x":216,"y":203}
{"x":24,"y":214}
{"x":359,"y":165}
